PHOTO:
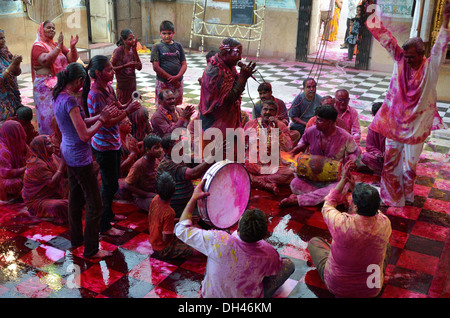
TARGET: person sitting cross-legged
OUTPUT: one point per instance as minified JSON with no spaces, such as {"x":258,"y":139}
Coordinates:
{"x":353,"y":265}
{"x":241,"y":264}
{"x":268,"y":176}
{"x":161,"y":222}
{"x":141,"y":179}
{"x":322,"y":142}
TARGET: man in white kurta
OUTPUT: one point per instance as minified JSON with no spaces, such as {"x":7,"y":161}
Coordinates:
{"x":409,"y":112}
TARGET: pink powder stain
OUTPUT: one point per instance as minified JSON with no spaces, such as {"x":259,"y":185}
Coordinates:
{"x":437,"y":205}
{"x":229,"y":195}
{"x":442,"y":184}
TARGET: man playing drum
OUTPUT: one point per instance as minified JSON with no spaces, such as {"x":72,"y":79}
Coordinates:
{"x":241,"y":264}
{"x":268,"y":120}
{"x":323,"y":141}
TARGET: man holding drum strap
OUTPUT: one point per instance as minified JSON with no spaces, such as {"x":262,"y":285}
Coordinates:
{"x":240,"y":265}
{"x":323,"y":140}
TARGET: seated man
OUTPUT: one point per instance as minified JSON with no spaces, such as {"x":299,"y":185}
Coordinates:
{"x":324,"y":140}
{"x":141,"y":179}
{"x":265,"y":93}
{"x":348,"y":114}
{"x":241,"y":264}
{"x":268,"y":119}
{"x":353,"y":265}
{"x":373,"y":158}
{"x":327,"y":100}
{"x":304,"y":105}
{"x":181,"y":173}
{"x":168,"y":116}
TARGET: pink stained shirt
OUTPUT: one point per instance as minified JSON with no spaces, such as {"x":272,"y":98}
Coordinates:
{"x":409,"y":112}
{"x":340,"y":145}
{"x":375,"y":143}
{"x":351,"y":119}
{"x":235,"y":269}
{"x":358,"y":242}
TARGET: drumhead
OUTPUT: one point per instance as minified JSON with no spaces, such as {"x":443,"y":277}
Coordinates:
{"x":229,"y":186}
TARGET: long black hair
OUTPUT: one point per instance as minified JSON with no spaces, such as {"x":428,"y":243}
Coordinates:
{"x":97,"y":63}
{"x":72,"y":72}
{"x":124,"y":34}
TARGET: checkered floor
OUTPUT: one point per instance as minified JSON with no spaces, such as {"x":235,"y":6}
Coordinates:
{"x":36,"y":260}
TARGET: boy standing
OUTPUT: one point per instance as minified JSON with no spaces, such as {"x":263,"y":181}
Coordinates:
{"x":141,"y":180}
{"x":169,"y":63}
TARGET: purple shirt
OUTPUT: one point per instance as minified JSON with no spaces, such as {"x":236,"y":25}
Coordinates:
{"x":351,"y":119}
{"x":76,"y":152}
{"x":359,"y":243}
{"x":375,"y":143}
{"x":235,"y":269}
{"x":162,"y":125}
{"x":340,"y":145}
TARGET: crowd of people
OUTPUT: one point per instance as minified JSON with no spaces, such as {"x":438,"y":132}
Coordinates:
{"x":95,"y":144}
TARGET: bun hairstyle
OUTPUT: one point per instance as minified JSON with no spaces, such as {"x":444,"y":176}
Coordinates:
{"x":97,"y":63}
{"x":123,"y":36}
{"x":72,"y":72}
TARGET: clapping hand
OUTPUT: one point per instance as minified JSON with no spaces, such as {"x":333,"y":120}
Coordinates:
{"x":73,"y":41}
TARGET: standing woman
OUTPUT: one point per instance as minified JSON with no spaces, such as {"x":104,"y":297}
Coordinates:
{"x":48,"y":59}
{"x":125,"y":61}
{"x":76,"y":150}
{"x":106,"y":143}
{"x":9,"y":70}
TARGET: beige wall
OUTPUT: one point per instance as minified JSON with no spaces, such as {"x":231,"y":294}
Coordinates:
{"x":20,"y":32}
{"x":279,"y":35}
{"x":381,"y":61}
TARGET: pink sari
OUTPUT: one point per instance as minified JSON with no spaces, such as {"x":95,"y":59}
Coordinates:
{"x":13,"y":156}
{"x":43,"y":84}
{"x":41,"y":199}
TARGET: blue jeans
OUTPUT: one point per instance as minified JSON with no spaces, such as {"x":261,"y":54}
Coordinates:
{"x":109,"y":162}
{"x":83,"y":190}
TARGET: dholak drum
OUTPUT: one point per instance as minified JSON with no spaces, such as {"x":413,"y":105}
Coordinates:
{"x":318,"y":168}
{"x":229,"y":186}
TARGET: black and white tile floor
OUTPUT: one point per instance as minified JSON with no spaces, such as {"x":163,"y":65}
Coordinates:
{"x":365,"y":87}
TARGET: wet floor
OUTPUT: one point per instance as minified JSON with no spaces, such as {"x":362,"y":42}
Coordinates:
{"x":37,"y":261}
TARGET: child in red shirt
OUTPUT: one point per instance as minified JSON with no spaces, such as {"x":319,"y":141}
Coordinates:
{"x":161,"y":222}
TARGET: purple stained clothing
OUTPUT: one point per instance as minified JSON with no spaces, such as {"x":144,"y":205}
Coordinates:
{"x":340,"y":146}
{"x":374,"y":155}
{"x":76,"y":152}
{"x":351,"y":119}
{"x":359,"y":243}
{"x":163,"y":125}
{"x":235,"y":269}
{"x":409,"y":112}
{"x":215,"y":111}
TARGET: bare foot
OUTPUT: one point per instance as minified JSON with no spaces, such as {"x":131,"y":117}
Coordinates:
{"x":114,"y":232}
{"x":289,"y":201}
{"x":101,"y":254}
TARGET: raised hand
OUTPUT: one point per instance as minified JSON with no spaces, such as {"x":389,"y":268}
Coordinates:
{"x":73,"y":41}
